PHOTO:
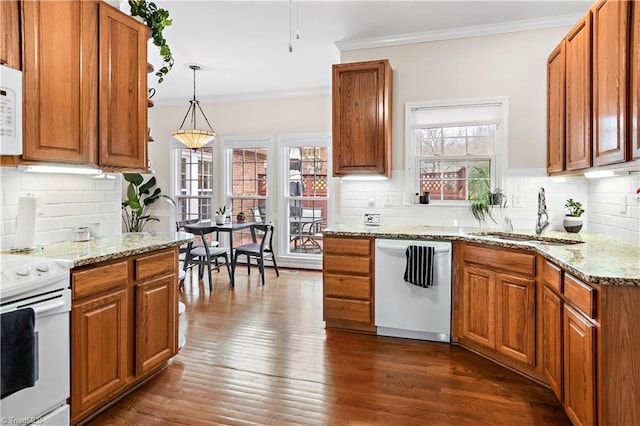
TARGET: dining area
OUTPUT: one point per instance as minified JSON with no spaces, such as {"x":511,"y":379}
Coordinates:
{"x":226,"y":246}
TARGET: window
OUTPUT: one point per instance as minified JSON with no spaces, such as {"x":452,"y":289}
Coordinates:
{"x":305,"y":192}
{"x":195,"y":184}
{"x":453,"y":147}
{"x":247,"y":187}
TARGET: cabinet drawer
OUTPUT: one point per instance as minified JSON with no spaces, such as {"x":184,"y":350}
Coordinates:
{"x":580,"y":294}
{"x":344,"y":309}
{"x":347,"y":264}
{"x":552,"y":276}
{"x":348,"y":246}
{"x":522,"y":263}
{"x":155,"y":264}
{"x":97,"y":279}
{"x":347,"y":286}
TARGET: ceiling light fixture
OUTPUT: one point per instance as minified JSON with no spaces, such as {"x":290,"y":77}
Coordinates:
{"x":194,"y":138}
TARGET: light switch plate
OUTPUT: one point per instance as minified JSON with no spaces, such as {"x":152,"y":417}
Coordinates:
{"x":372,"y":218}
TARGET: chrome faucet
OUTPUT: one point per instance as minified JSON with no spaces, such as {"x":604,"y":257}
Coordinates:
{"x":542,"y":212}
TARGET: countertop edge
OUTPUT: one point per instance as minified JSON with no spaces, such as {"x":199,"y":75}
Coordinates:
{"x":537,"y":248}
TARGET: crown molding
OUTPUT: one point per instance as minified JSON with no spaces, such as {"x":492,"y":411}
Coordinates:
{"x":461,"y":32}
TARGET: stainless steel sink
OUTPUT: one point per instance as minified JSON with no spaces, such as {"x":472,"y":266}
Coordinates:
{"x":524,"y":238}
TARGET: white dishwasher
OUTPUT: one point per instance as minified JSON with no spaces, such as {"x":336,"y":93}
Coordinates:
{"x":407,"y":310}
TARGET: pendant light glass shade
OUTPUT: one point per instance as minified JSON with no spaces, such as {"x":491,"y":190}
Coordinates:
{"x":194,"y":138}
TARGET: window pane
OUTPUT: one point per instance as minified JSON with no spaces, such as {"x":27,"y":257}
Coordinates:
{"x":455,"y":146}
{"x":448,"y":132}
{"x":195,"y":184}
{"x":479,"y":145}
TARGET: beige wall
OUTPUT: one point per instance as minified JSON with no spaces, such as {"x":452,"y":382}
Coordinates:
{"x":275,"y":116}
{"x":512,"y":65}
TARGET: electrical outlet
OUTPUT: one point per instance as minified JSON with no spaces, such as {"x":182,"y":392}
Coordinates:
{"x":622,"y":202}
{"x":516,"y":201}
{"x":392,"y":200}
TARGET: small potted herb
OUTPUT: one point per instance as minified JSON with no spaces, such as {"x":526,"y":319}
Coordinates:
{"x":157,"y":19}
{"x":219,"y":217}
{"x":573,"y":221}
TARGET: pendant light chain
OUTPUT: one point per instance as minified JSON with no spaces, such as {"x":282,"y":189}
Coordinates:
{"x":291,"y":23}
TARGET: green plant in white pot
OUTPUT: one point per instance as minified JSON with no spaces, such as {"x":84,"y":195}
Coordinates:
{"x":219,"y":217}
{"x":573,"y":221}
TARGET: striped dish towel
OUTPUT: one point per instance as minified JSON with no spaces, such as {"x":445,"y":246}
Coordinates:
{"x":419,"y":269}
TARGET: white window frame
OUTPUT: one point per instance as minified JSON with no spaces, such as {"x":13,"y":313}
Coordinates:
{"x":175,"y":148}
{"x":285,"y":142}
{"x":499,"y":159}
{"x":247,"y":142}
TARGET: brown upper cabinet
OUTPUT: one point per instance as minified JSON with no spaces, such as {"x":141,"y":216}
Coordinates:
{"x":362,"y":118}
{"x":600,"y":88}
{"x":556,"y":109}
{"x":10,"y":35}
{"x":87,"y":106}
{"x":578,"y":95}
{"x":610,"y":92}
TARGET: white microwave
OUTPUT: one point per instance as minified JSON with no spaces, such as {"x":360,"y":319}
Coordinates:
{"x":10,"y":111}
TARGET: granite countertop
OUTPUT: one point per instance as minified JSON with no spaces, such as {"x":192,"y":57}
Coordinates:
{"x":112,"y":246}
{"x":595,"y":258}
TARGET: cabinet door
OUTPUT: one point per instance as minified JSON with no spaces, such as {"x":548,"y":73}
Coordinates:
{"x":579,"y":368}
{"x":556,"y":110}
{"x":477,"y":308}
{"x":552,"y":340}
{"x":610,"y":56}
{"x":515,"y":317}
{"x":362,"y":118}
{"x":578,"y":95}
{"x":98,"y":350}
{"x":60,"y":80}
{"x":156,"y":323}
{"x":10,"y":35}
{"x":123,"y":90}
{"x":635,"y":82}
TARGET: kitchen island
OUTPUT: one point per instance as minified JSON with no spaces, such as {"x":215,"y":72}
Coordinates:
{"x":559,"y":308}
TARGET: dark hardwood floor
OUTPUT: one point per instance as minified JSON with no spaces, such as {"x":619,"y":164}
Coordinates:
{"x":260,"y":355}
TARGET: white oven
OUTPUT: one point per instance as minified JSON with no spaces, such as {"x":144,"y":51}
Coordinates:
{"x":42,"y":285}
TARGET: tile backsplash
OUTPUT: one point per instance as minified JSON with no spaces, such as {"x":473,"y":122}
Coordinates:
{"x":64,"y":202}
{"x":599,"y":198}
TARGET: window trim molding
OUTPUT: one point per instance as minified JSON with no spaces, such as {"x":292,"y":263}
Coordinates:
{"x":286,"y":141}
{"x":501,"y":148}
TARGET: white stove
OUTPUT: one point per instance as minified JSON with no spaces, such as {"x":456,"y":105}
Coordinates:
{"x":24,"y":276}
{"x":40,"y":284}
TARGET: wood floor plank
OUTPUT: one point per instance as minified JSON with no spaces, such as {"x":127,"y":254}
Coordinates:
{"x":260,"y":356}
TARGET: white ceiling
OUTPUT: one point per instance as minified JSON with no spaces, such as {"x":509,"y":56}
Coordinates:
{"x":242,"y":46}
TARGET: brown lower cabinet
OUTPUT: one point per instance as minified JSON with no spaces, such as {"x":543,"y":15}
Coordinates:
{"x":348,"y":292}
{"x":123,"y":326}
{"x":497,"y":304}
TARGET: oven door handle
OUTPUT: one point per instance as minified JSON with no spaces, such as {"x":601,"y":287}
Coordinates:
{"x":44,"y":308}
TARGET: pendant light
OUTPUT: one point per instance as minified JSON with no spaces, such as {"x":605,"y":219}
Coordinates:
{"x":194,"y":138}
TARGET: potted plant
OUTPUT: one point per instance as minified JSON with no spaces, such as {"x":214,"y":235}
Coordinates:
{"x":481,"y":198}
{"x":219,"y":217}
{"x":424,"y":198}
{"x":157,"y":20}
{"x":140,"y":196}
{"x":572,"y":221}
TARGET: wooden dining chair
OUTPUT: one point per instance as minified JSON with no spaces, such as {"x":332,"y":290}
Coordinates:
{"x":208,"y":256}
{"x":261,"y":249}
